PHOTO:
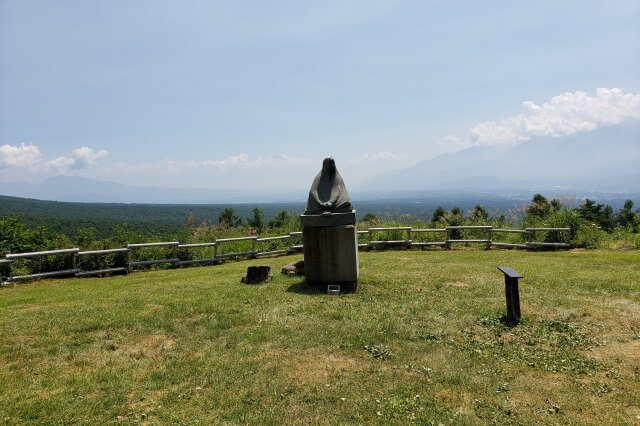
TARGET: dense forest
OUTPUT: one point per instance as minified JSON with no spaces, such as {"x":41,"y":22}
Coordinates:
{"x":158,"y":220}
{"x":51,"y":225}
{"x":27,"y":224}
{"x":165,"y":220}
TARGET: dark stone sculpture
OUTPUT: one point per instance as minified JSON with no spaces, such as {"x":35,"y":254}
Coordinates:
{"x":328,"y":193}
{"x":329,"y":232}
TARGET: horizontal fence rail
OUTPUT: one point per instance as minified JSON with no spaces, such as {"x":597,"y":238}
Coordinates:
{"x":40,"y":253}
{"x":128,"y":255}
{"x":171,"y":260}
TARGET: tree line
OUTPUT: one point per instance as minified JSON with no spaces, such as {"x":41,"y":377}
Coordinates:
{"x":590,"y":224}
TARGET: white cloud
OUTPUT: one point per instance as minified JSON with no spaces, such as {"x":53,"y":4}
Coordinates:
{"x":453,"y":140}
{"x":239,"y":161}
{"x":86,"y":157}
{"x":382,"y":156}
{"x":82,"y":158}
{"x":23,"y":156}
{"x":563,"y":115}
{"x":59,"y":165}
{"x":27,"y":157}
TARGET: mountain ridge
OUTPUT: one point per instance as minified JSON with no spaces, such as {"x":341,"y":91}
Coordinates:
{"x":606,"y":159}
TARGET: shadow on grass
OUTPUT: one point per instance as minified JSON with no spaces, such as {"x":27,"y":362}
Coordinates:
{"x":301,"y":287}
{"x":508,"y":323}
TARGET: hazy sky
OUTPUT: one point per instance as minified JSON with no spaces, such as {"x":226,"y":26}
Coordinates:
{"x":255,"y":93}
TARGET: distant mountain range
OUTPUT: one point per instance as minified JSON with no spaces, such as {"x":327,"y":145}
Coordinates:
{"x":606,"y":160}
{"x":74,"y":188}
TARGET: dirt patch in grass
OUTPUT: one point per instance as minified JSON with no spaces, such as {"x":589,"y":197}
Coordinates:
{"x":618,"y":317}
{"x":312,"y":367}
{"x":151,"y":308}
{"x":627,"y":351}
{"x":532,"y":391}
{"x":119,"y":346}
{"x":458,"y":398}
{"x":626,"y":306}
{"x":153,"y":346}
{"x":457,"y":284}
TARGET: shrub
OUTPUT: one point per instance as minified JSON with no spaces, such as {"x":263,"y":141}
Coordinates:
{"x":588,"y":236}
{"x":370,"y":219}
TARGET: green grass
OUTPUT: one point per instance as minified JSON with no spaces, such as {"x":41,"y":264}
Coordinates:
{"x":421,"y":341}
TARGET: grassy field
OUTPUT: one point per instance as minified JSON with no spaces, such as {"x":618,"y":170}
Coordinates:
{"x":421,"y":341}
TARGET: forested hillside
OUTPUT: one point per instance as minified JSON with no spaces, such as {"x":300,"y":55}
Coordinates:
{"x":153,"y":219}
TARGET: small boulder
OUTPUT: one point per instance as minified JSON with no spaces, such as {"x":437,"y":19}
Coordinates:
{"x":257,"y":274}
{"x":295,"y":268}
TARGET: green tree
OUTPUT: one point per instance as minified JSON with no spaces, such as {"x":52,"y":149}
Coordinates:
{"x":438,"y":215}
{"x":626,"y":217}
{"x":555,"y":205}
{"x":597,"y":213}
{"x":190,"y":221}
{"x":282,"y":220}
{"x":257,"y":220}
{"x":13,"y":236}
{"x":455,"y":218}
{"x":457,"y":212}
{"x":85,"y":237}
{"x":229,"y":218}
{"x":539,"y":206}
{"x":370,"y":218}
{"x":479,"y":214}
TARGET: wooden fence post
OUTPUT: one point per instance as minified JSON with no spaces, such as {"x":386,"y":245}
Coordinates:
{"x":10,"y":274}
{"x":489,"y":237}
{"x":129,"y":254}
{"x":174,"y":255}
{"x":7,"y":264}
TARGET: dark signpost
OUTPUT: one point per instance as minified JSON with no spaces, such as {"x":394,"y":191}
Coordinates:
{"x":512,"y":293}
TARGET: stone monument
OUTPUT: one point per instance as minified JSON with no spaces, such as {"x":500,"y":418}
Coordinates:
{"x":329,"y":232}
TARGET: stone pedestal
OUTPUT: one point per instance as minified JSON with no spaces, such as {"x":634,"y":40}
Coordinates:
{"x":330,"y":250}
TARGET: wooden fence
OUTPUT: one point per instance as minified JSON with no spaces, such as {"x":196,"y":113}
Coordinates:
{"x":294,"y":246}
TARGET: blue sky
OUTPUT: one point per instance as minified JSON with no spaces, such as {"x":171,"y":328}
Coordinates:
{"x":255,"y":94}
